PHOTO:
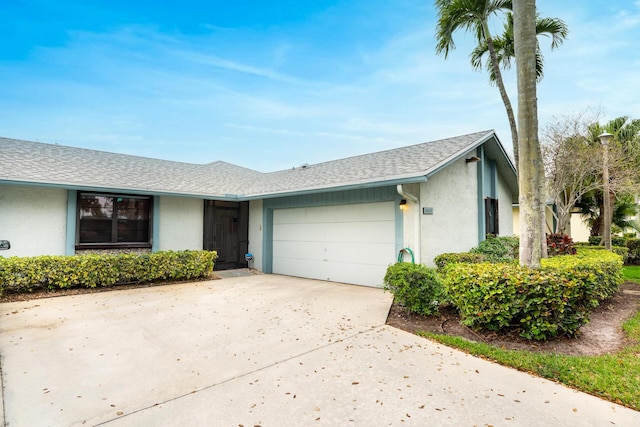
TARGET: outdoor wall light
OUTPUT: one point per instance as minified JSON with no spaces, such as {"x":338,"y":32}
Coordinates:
{"x":472,"y":159}
{"x":403,"y":204}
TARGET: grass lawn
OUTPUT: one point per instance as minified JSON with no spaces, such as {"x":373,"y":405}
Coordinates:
{"x":615,"y":377}
{"x":631,"y":273}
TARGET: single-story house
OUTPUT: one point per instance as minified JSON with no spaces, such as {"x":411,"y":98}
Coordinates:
{"x":345,"y":220}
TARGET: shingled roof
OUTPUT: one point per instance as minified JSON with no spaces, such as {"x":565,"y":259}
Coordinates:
{"x":77,"y":168}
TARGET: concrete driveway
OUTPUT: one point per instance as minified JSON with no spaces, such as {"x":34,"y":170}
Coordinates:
{"x":262,"y":350}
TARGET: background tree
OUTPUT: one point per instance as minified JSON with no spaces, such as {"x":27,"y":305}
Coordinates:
{"x":572,"y":164}
{"x":624,"y":179}
{"x":531,"y":168}
{"x":572,"y":155}
{"x":624,"y":209}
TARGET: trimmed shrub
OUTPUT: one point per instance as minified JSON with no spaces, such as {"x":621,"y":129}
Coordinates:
{"x":595,"y":240}
{"x":25,"y":274}
{"x":560,"y":244}
{"x":442,"y":260}
{"x":415,"y":286}
{"x":633,"y":247}
{"x":615,"y":240}
{"x":498,"y":249}
{"x":619,"y":250}
{"x":618,"y":241}
{"x":600,"y":272}
{"x":554,"y":300}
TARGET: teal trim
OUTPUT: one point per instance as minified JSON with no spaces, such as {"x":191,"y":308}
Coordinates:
{"x":367,"y":195}
{"x":267,"y":240}
{"x":493,"y":179}
{"x":72,"y":209}
{"x":339,"y":188}
{"x":364,"y":195}
{"x":480,"y":188}
{"x":155,"y":226}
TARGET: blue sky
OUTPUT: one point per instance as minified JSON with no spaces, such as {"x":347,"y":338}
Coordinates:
{"x":274,"y":84}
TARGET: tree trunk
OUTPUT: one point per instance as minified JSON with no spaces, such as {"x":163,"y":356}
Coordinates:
{"x":563,"y":220}
{"x":531,"y":168}
{"x":503,"y":91}
{"x":596,"y":226}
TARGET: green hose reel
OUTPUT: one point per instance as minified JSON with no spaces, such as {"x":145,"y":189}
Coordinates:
{"x":406,"y":251}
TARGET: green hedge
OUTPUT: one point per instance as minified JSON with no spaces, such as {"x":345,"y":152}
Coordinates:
{"x":554,"y":300}
{"x":499,"y":248}
{"x":442,"y":260}
{"x":25,"y":274}
{"x":414,"y":286}
{"x":633,"y":246}
{"x":623,"y":251}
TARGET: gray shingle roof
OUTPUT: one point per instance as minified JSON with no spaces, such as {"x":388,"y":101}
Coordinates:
{"x":69,"y":167}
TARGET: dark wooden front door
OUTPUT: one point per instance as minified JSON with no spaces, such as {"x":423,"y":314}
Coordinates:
{"x":226,"y":230}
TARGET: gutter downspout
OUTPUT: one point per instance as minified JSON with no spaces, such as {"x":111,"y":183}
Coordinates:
{"x":416,"y":224}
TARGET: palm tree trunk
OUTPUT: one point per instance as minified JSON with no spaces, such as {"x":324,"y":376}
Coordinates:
{"x":596,"y":229}
{"x":503,"y":91}
{"x":531,"y":170}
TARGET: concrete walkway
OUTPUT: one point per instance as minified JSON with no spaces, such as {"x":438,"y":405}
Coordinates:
{"x":263,"y":350}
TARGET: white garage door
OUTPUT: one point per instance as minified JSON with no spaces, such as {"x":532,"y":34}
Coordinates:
{"x":344,"y":243}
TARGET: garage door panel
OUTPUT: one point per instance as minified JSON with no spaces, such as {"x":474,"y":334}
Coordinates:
{"x":346,"y":243}
{"x":299,"y":232}
{"x":341,"y":213}
{"x":360,"y":253}
{"x":363,"y":213}
{"x":301,"y":250}
{"x":312,"y":269}
{"x":375,"y":231}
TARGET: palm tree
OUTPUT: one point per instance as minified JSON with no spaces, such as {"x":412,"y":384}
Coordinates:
{"x":554,"y":28}
{"x":624,"y":209}
{"x":626,"y":146}
{"x":531,"y":183}
{"x":473,"y":15}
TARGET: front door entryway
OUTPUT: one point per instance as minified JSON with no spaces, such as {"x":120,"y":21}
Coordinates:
{"x":226,"y":231}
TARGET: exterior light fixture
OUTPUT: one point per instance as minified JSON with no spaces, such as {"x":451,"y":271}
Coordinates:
{"x":403,"y":204}
{"x":472,"y":159}
{"x":605,"y":139}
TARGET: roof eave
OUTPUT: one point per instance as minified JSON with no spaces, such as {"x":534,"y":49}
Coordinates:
{"x":343,"y":187}
{"x":136,"y":191}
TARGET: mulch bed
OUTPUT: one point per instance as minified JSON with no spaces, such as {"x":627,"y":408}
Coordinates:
{"x":602,"y":335}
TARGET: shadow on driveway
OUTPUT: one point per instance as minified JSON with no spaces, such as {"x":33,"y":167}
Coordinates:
{"x":262,"y":350}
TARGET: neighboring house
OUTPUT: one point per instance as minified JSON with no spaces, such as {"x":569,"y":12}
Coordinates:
{"x":344,"y":220}
{"x":550,"y":220}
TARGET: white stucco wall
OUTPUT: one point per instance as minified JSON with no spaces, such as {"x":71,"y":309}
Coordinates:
{"x":33,"y":219}
{"x":411,"y":220}
{"x":181,"y":222}
{"x":453,"y":227}
{"x":579,"y":230}
{"x":505,"y":208}
{"x":256,"y":228}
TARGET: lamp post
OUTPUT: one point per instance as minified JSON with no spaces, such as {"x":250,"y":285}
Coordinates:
{"x":605,"y":138}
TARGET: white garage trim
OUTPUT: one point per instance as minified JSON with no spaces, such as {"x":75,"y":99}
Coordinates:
{"x":352,"y":243}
